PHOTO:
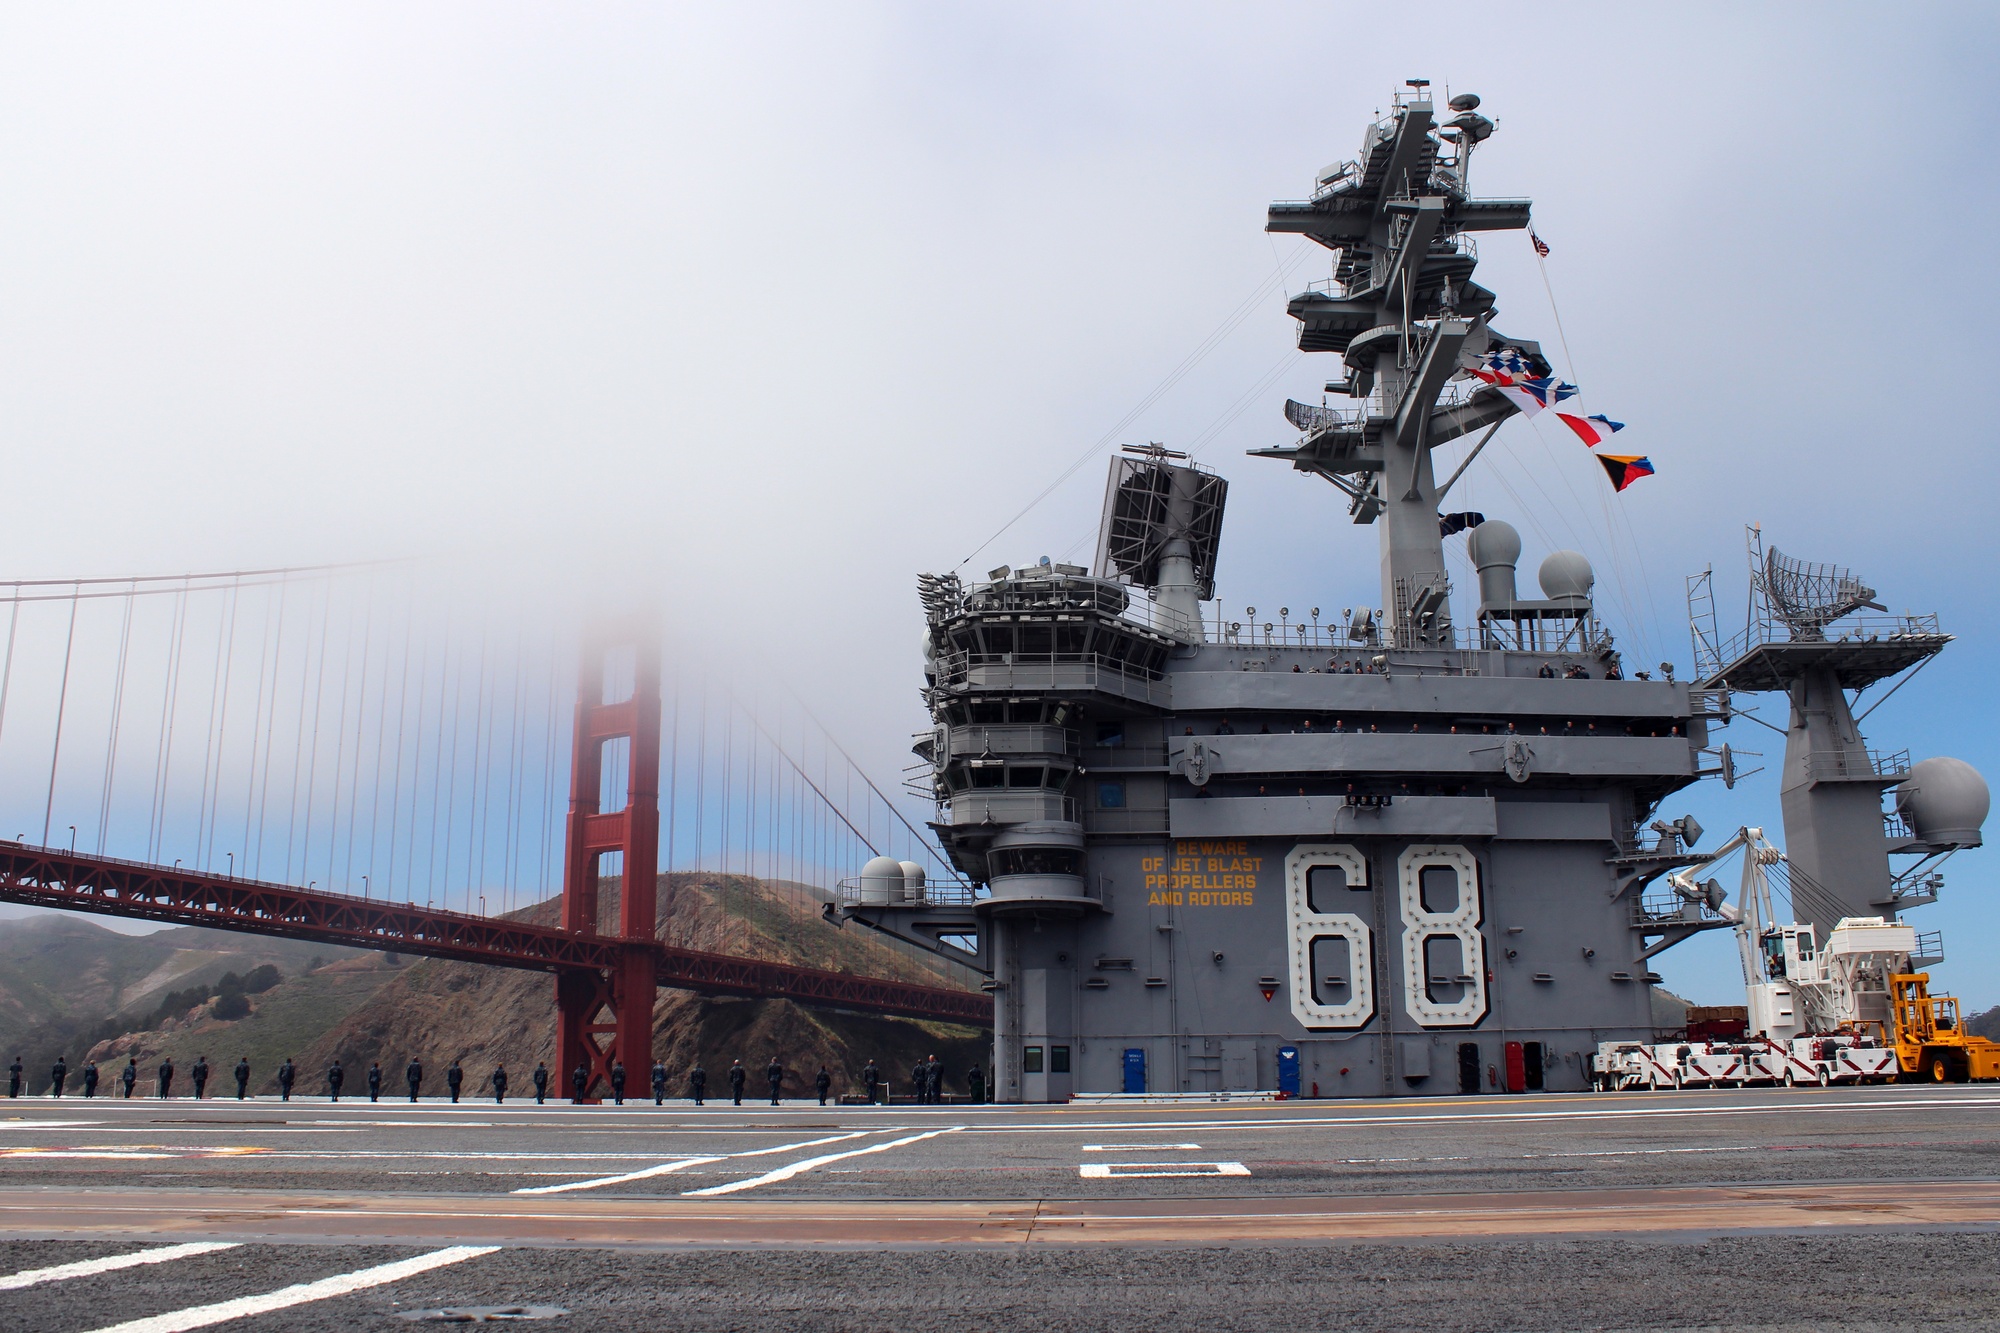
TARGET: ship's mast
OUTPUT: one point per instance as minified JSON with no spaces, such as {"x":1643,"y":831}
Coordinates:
{"x":1406,"y":319}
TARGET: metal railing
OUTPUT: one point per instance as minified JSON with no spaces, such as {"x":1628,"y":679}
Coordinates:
{"x":1010,"y":738}
{"x":1862,"y":765}
{"x":847,"y":893}
{"x":1853,"y":629}
{"x":1125,"y":821}
{"x":999,"y":805}
{"x":1082,"y":672}
{"x":1930,"y":949}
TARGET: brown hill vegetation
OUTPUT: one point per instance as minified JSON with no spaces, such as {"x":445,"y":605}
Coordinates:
{"x":363,"y":1008}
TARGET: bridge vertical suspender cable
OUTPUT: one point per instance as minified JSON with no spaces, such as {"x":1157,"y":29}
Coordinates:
{"x":62,"y":703}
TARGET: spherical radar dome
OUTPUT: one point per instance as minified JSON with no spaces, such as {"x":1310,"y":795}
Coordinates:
{"x":1945,"y":801}
{"x":1567,"y":574}
{"x":1493,"y":542}
{"x":882,"y":881}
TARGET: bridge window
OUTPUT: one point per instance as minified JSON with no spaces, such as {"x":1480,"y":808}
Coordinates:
{"x":1110,"y":735}
{"x":1025,"y":776}
{"x":1058,"y":1059}
{"x":1031,"y":1059}
{"x":1035,"y":861}
{"x":1111,"y":796}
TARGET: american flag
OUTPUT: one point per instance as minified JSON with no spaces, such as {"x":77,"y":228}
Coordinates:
{"x":1541,"y":246}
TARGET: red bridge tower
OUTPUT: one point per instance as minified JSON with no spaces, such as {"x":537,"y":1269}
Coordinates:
{"x":606,"y":1014}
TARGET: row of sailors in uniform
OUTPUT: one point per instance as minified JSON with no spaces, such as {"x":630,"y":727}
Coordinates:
{"x":927,"y":1077}
{"x":1305,"y":727}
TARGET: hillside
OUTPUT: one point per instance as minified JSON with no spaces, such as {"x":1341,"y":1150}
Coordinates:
{"x":371,"y":1006}
{"x":486,"y":1016}
{"x":64,"y":978}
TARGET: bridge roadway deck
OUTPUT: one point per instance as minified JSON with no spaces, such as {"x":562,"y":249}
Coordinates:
{"x":904,"y":1216}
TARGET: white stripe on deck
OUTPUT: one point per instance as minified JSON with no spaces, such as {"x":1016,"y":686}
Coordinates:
{"x":800,"y":1168}
{"x":304,"y":1293}
{"x":111,"y":1264}
{"x":681,"y":1164}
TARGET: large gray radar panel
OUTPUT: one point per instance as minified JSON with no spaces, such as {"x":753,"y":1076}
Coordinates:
{"x":1386,"y":848}
{"x":1160,"y":509}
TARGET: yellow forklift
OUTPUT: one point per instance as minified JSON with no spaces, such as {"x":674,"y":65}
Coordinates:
{"x":1931,"y":1043}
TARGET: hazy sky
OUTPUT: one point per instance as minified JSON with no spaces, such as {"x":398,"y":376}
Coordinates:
{"x":768,"y":308}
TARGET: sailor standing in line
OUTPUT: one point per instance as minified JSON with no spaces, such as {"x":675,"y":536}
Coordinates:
{"x":821,"y":1082}
{"x":130,"y":1076}
{"x":499,"y":1082}
{"x":541,"y":1082}
{"x":579,"y":1080}
{"x":199,"y":1073}
{"x":871,"y":1078}
{"x":919,"y":1084}
{"x":698,"y":1083}
{"x":415,"y":1075}
{"x":774,"y":1074}
{"x":242,"y":1077}
{"x":90,"y":1078}
{"x":975,"y":1085}
{"x":934,"y":1080}
{"x":618,"y":1082}
{"x":736,"y":1076}
{"x":287,"y":1075}
{"x":335,"y":1076}
{"x":374,"y":1080}
{"x":14,"y":1078}
{"x":454,"y":1078}
{"x":167,"y":1077}
{"x":659,"y":1083}
{"x":57,"y":1077}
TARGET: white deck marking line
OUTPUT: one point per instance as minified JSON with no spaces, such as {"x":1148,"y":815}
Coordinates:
{"x":304,"y":1293}
{"x":15,"y":1154}
{"x":799,"y":1168}
{"x":1142,"y":1147}
{"x":111,"y":1264}
{"x":1156,"y":1170}
{"x":680,"y":1164}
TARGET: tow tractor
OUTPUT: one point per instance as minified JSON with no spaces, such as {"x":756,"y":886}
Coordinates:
{"x":1851,"y":1012}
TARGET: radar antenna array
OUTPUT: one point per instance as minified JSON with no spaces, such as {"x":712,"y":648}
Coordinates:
{"x":1151,"y":502}
{"x":1810,"y":597}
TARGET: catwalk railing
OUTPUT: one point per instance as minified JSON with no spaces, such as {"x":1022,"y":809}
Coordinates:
{"x":53,"y":877}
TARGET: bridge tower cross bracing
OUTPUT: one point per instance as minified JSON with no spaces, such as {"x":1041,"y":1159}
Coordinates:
{"x":606,"y":1016}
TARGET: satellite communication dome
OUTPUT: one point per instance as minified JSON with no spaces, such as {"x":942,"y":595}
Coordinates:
{"x":882,"y":882}
{"x":1494,"y":542}
{"x":1566,"y":574}
{"x":913,"y":881}
{"x":1944,"y":801}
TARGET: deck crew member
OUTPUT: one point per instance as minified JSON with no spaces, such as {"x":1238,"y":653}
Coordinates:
{"x":130,"y":1076}
{"x":415,"y":1075}
{"x":374,"y":1080}
{"x":697,"y":1083}
{"x":579,"y":1079}
{"x":57,"y":1077}
{"x":618,"y":1082}
{"x":199,"y":1072}
{"x":541,"y":1082}
{"x":821,"y":1082}
{"x":90,"y":1078}
{"x":242,"y":1077}
{"x":774,"y":1074}
{"x":287,"y":1075}
{"x":499,"y":1081}
{"x":737,"y":1074}
{"x":166,"y":1077}
{"x":335,"y":1076}
{"x":454,"y":1078}
{"x":659,"y":1083}
{"x":975,"y":1085}
{"x":920,"y":1083}
{"x":14,"y":1078}
{"x":871,"y":1078}
{"x":934,"y":1080}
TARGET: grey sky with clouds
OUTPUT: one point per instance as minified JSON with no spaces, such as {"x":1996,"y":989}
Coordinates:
{"x":763,"y":310}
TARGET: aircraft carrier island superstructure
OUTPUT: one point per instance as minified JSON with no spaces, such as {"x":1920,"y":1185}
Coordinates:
{"x":1388,"y":850}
